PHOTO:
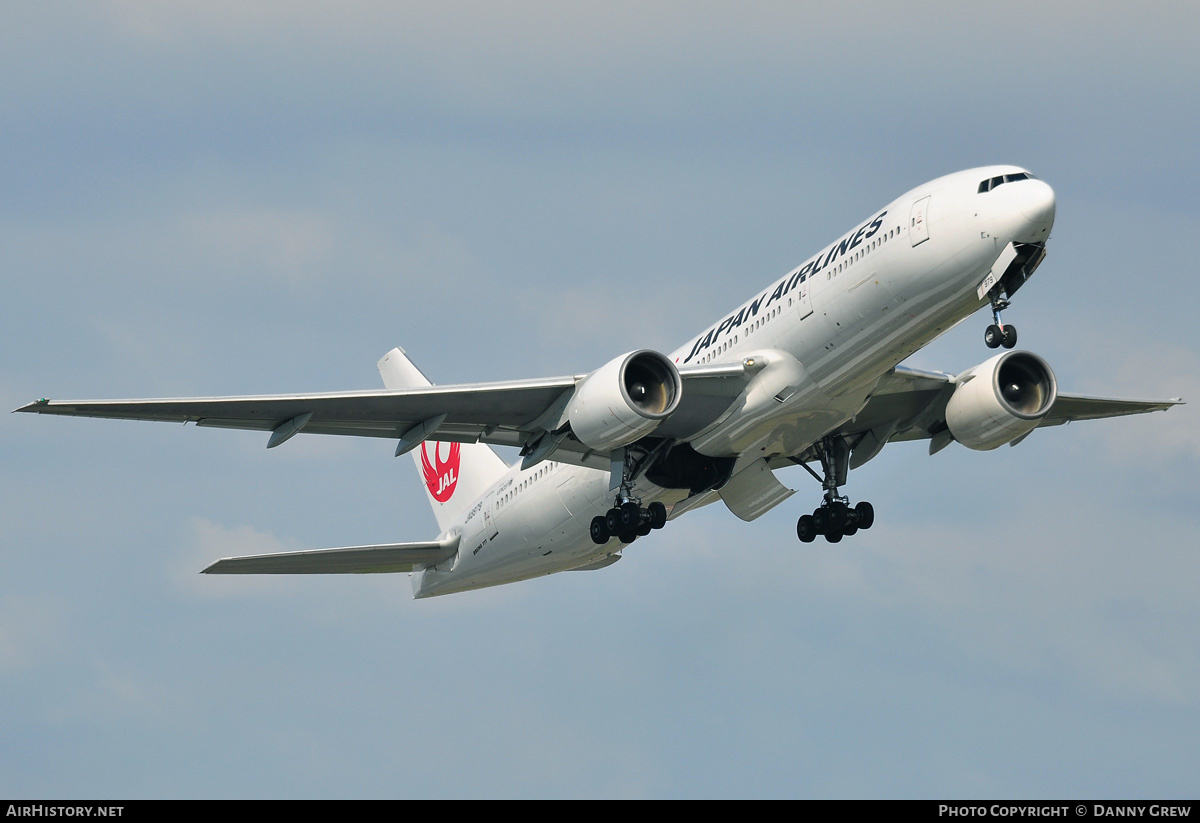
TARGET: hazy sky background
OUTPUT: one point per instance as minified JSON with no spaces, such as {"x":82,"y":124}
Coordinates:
{"x":226,"y":198}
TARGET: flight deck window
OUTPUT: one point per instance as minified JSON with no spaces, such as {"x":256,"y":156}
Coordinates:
{"x":988,"y":185}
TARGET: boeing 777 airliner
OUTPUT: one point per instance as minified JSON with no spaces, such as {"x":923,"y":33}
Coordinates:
{"x":806,"y":371}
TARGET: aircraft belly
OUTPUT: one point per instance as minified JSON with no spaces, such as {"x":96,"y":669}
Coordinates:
{"x":526,"y":546}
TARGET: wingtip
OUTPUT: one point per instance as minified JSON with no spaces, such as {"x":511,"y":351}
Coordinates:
{"x":34,"y":406}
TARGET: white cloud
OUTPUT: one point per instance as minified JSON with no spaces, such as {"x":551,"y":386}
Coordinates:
{"x":1151,"y":369}
{"x":291,"y":248}
{"x":31,"y":630}
{"x":207,"y":543}
{"x":1052,"y":579}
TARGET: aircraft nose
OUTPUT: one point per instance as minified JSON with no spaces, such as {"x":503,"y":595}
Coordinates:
{"x":1037,"y":202}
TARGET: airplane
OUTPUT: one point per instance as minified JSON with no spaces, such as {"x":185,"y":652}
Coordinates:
{"x":806,"y":372}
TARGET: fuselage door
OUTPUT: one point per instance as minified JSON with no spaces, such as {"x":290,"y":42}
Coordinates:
{"x":918,"y":222}
{"x":803,"y":298}
{"x":489,"y":520}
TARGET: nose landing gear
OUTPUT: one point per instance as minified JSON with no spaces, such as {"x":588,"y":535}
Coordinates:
{"x":999,"y":334}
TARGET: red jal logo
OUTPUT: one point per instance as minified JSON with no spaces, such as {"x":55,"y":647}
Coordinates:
{"x":440,"y":478}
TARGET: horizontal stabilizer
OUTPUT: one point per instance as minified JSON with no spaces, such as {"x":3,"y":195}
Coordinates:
{"x":384,"y":558}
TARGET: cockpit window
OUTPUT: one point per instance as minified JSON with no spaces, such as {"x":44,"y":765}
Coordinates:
{"x":988,"y":185}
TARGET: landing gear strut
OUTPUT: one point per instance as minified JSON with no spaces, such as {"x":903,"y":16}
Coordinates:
{"x":835,"y":517}
{"x":627,"y":519}
{"x":999,"y":334}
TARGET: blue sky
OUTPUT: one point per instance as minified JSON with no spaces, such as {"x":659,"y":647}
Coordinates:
{"x":225,"y":198}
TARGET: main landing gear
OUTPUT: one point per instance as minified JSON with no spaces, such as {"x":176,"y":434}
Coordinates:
{"x":999,"y":334}
{"x":835,"y":517}
{"x":627,"y":519}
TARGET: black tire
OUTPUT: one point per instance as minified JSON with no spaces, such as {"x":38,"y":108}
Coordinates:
{"x":631,"y":516}
{"x":866,"y":515}
{"x":658,"y":515}
{"x":613,"y":521}
{"x":850,"y":530}
{"x":837,"y":516}
{"x":833,"y":536}
{"x":806,"y":528}
{"x":992,"y":336}
{"x":1009,"y":337}
{"x":628,"y":537}
{"x":600,"y":533}
{"x":643,"y":529}
{"x":820,"y":518}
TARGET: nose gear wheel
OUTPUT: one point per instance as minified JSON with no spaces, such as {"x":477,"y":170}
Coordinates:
{"x":998,"y":334}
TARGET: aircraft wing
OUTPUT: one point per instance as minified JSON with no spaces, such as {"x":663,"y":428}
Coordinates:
{"x":1069,"y":407}
{"x":910,"y":404}
{"x":513,"y":413}
{"x":385,"y":558}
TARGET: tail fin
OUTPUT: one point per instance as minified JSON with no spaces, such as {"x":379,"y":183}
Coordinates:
{"x":455,"y":475}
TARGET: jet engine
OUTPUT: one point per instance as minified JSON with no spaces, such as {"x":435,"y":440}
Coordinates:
{"x":1000,"y":400}
{"x":624,"y":400}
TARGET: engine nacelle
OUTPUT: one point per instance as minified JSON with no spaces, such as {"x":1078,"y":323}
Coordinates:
{"x":624,"y":400}
{"x":1000,"y":400}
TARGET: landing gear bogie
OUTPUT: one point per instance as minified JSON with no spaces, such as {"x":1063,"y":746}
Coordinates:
{"x":835,"y":520}
{"x":627,"y":522}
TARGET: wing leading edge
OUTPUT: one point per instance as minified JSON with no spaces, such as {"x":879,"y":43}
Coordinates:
{"x":513,"y":413}
{"x":472,"y":410}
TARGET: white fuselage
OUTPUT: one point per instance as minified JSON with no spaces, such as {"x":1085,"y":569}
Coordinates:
{"x":847,"y":315}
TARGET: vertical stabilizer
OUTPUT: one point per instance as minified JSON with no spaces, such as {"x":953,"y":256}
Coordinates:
{"x":455,"y":475}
